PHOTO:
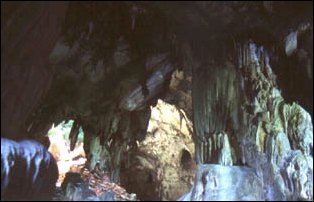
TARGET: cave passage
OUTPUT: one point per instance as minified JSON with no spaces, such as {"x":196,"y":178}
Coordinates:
{"x":67,"y":160}
{"x":211,"y":99}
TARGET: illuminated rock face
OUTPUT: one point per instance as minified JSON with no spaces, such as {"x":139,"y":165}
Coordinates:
{"x":274,"y":138}
{"x":163,"y":166}
{"x":28,"y":170}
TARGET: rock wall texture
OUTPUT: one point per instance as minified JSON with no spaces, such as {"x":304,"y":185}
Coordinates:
{"x":29,"y":33}
{"x":275,"y":138}
{"x":24,"y":168}
{"x":225,"y":183}
{"x":104,"y":64}
{"x":163,"y":166}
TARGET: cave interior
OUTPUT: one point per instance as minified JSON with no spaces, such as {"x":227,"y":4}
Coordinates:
{"x":240,"y":74}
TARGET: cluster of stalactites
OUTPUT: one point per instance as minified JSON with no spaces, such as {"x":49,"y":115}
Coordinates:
{"x":217,"y":100}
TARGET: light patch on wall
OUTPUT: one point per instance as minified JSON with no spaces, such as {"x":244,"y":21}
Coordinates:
{"x":60,"y":148}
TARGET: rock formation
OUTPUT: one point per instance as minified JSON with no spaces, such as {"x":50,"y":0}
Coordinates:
{"x":162,"y":167}
{"x":24,"y":168}
{"x":241,"y":71}
{"x":276,"y":138}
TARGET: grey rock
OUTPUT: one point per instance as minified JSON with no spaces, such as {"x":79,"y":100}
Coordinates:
{"x":137,"y":100}
{"x":216,"y":182}
{"x":277,"y":145}
{"x":107,"y":196}
{"x":291,"y":43}
{"x":97,"y":153}
{"x":75,"y":188}
{"x":24,"y":168}
{"x":185,"y":197}
{"x":220,"y":149}
{"x":298,"y":176}
{"x":299,"y":128}
{"x":122,"y":53}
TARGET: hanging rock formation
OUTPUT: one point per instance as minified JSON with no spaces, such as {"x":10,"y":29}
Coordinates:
{"x":24,"y":168}
{"x":242,"y":72}
{"x":276,"y":138}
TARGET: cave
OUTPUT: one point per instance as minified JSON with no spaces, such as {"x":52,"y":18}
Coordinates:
{"x":176,"y":100}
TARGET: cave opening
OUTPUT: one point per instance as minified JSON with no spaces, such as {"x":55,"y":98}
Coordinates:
{"x":67,"y":160}
{"x":186,"y":159}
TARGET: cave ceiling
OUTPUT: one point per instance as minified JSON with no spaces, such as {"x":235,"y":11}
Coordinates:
{"x":103,"y":64}
{"x":102,"y":51}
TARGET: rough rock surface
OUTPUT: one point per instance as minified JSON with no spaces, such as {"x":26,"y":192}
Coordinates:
{"x":162,"y":168}
{"x":113,"y":60}
{"x":284,"y":133}
{"x":24,"y":168}
{"x":225,"y":183}
{"x":87,"y":186}
{"x":275,"y":138}
{"x":27,"y":40}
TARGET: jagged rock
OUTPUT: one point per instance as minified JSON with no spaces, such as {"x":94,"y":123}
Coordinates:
{"x":276,"y":147}
{"x":103,"y":74}
{"x":283,"y":132}
{"x":75,"y":189}
{"x":154,"y":85}
{"x":104,"y":188}
{"x":225,"y":183}
{"x":122,"y":53}
{"x":220,"y":150}
{"x":291,"y":43}
{"x":273,"y":129}
{"x":299,"y":128}
{"x":90,"y":186}
{"x":222,"y":98}
{"x":98,"y":152}
{"x":28,"y":171}
{"x":107,"y":196}
{"x":297,"y":173}
{"x":291,"y":40}
{"x":158,"y":169}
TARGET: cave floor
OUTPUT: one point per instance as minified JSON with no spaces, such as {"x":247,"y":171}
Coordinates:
{"x":97,"y":183}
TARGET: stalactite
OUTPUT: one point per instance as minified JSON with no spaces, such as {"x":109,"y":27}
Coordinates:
{"x":74,"y":134}
{"x":28,"y":170}
{"x":155,"y":84}
{"x":216,"y":103}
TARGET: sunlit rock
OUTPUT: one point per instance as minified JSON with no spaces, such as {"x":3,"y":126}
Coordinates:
{"x":163,"y":166}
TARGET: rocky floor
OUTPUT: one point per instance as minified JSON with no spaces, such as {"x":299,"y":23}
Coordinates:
{"x":87,"y":186}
